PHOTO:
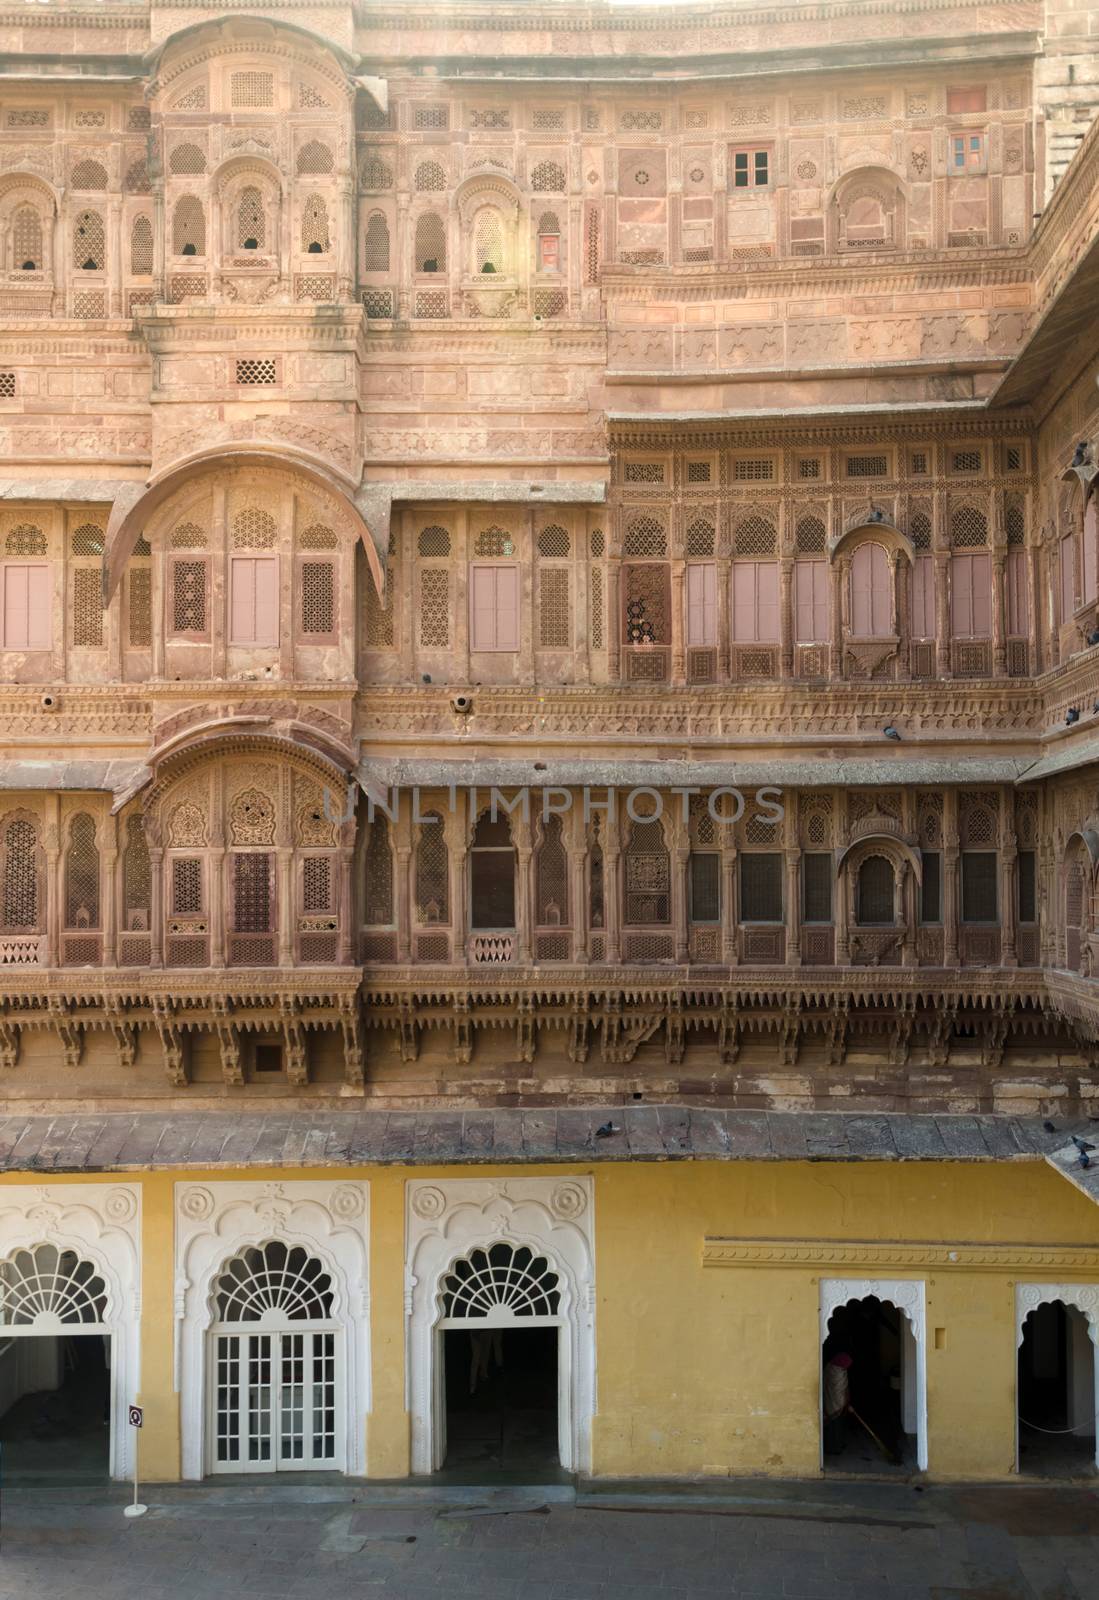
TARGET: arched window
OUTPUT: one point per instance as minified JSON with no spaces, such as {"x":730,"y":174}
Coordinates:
{"x":141,"y":247}
{"x":187,"y":160}
{"x":277,"y":1376}
{"x":26,"y":240}
{"x":89,"y":175}
{"x":874,"y":897}
{"x":376,"y":244}
{"x":645,"y":536}
{"x":432,"y":872}
{"x":188,"y":227}
{"x":648,"y":880}
{"x":430,"y":249}
{"x":82,"y":874}
{"x":251,"y":230}
{"x":548,"y":177}
{"x":551,"y":878}
{"x":871,"y":597}
{"x":315,"y":237}
{"x":20,"y":907}
{"x":430,"y":178}
{"x":492,"y":875}
{"x":378,"y":875}
{"x":811,"y":535}
{"x":89,"y":243}
{"x":314,"y":159}
{"x":488,"y":240}
{"x":52,"y":1283}
{"x":502,"y":1278}
{"x":136,"y":879}
{"x":549,"y":242}
{"x":136,"y":180}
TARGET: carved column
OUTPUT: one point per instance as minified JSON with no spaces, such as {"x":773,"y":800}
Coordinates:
{"x":909,"y":911}
{"x":284,"y":858}
{"x":156,"y":906}
{"x":680,"y":856}
{"x":614,"y":621}
{"x":54,"y":885}
{"x":840,"y":570}
{"x":724,"y":621}
{"x":578,"y":872}
{"x":612,"y":899}
{"x":902,"y":568}
{"x":999,"y":613}
{"x":950,"y":878}
{"x":1009,"y":904}
{"x":524,"y":855}
{"x":405,"y":262}
{"x":786,"y":616}
{"x":346,"y":243}
{"x":115,"y":246}
{"x":843,"y":941}
{"x":345,"y":904}
{"x":728,"y":901}
{"x":110,"y":884}
{"x":404,"y":855}
{"x":679,"y":653}
{"x":793,"y":906}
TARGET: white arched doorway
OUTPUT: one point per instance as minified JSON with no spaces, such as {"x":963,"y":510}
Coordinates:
{"x":1076,"y":1361}
{"x":272,"y":1326}
{"x":70,"y":1269}
{"x":514,"y":1254}
{"x":907,"y":1296}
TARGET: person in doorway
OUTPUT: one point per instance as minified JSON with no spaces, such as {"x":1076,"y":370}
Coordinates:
{"x":837,"y":1401}
{"x":485,"y":1344}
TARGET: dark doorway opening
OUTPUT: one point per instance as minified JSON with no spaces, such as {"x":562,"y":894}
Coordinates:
{"x":56,"y":1423}
{"x":1056,"y":1389}
{"x":878,"y":1434}
{"x":501,"y":1405}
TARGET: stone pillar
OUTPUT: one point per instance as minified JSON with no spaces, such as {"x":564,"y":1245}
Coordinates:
{"x":55,"y":887}
{"x":902,"y":569}
{"x":1009,"y":902}
{"x":114,"y":257}
{"x":999,"y":613}
{"x":680,"y":856}
{"x":345,"y":905}
{"x":613,"y":622}
{"x":679,"y":651}
{"x":724,"y":620}
{"x":405,"y":866}
{"x":786,"y":616}
{"x":524,"y":856}
{"x":612,"y":899}
{"x":110,"y":888}
{"x":346,"y":240}
{"x":793,"y":906}
{"x":405,"y":262}
{"x":156,"y":906}
{"x":216,"y":903}
{"x":286,"y":902}
{"x":459,"y":878}
{"x":950,"y":878}
{"x":909,"y":910}
{"x":578,"y":871}
{"x":728,"y":902}
{"x":842,"y":920}
{"x":840,"y":570}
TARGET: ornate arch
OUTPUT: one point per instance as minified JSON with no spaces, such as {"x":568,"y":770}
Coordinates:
{"x":865,"y":530}
{"x":908,"y":1296}
{"x":137,"y":504}
{"x":100,"y":1222}
{"x":1083,"y":1297}
{"x":214,"y":1223}
{"x":446,"y":1219}
{"x":867,"y":210}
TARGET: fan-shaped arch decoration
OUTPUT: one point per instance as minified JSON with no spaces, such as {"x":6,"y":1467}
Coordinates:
{"x":274,"y":1277}
{"x":505,"y":1278}
{"x":48,"y":1281}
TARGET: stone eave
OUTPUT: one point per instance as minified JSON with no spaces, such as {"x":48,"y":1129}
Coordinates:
{"x":177,"y":1139}
{"x":85,"y":776}
{"x":706,"y":67}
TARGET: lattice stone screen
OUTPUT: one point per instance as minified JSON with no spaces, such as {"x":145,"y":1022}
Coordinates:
{"x":20,"y":863}
{"x":82,"y":875}
{"x":432,"y":873}
{"x":318,"y":597}
{"x":554,"y":631}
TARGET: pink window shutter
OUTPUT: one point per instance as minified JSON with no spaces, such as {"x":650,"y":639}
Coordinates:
{"x":923,"y":598}
{"x":1018,"y":599}
{"x":38,"y":608}
{"x":881,"y":598}
{"x":768,"y":625}
{"x":254,"y":600}
{"x":1068,"y":581}
{"x":267,"y":600}
{"x":482,"y":608}
{"x":961,"y":597}
{"x":701,"y":604}
{"x":1091,"y":554}
{"x":862,"y":610}
{"x":982,"y":596}
{"x":744,"y":602}
{"x":811,"y":602}
{"x":507,"y":608}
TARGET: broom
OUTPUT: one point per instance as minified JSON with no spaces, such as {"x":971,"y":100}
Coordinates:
{"x":862,"y":1422}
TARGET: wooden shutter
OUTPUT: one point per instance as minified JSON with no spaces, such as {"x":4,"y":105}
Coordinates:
{"x":494,"y":607}
{"x":26,"y":606}
{"x":1091,"y":555}
{"x":970,"y":596}
{"x":1068,"y":580}
{"x":923,"y":597}
{"x":871,"y":601}
{"x":1018,"y":600}
{"x":701,"y":603}
{"x":755,"y":602}
{"x":811,"y":601}
{"x":254,"y":605}
{"x":744,"y":601}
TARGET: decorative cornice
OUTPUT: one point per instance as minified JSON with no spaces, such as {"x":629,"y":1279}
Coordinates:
{"x":830,"y":1254}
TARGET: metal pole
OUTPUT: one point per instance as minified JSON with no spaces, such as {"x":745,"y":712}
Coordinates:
{"x":136,"y":1509}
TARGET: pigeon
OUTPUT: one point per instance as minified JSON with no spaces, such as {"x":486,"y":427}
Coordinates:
{"x":891,"y":732}
{"x":1082,"y":1145}
{"x":1072,"y":715}
{"x":605,"y":1130}
{"x":1049,"y":1127}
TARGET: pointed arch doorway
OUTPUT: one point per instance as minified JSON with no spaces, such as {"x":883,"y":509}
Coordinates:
{"x":501,"y":1292}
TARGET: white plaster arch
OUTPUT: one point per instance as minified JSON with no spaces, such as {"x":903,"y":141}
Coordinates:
{"x":1085,"y":1298}
{"x":102,"y":1223}
{"x":214,"y":1222}
{"x":909,"y":1297}
{"x":448,"y":1217}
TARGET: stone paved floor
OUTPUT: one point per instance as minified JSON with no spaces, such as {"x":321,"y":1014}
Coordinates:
{"x":752,"y":1539}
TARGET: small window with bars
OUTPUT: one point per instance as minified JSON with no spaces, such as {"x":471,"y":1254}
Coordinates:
{"x":918,"y":463}
{"x":705,"y":886}
{"x":753,"y":469}
{"x":816,"y":886}
{"x":699,"y":471}
{"x":1014,"y":458}
{"x":867,"y":466}
{"x":188,"y":586}
{"x":749,"y":168}
{"x":761,"y":886}
{"x":966,"y":461}
{"x":1027,"y":885}
{"x":979,"y":898}
{"x":317,"y":598}
{"x":7,"y":385}
{"x":809,"y":467}
{"x":931,"y":896}
{"x":257,"y":370}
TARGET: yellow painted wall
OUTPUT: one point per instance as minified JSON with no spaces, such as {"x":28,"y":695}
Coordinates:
{"x":703,"y":1369}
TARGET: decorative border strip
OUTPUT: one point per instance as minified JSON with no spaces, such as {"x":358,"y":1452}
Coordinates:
{"x":831,"y":1253}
